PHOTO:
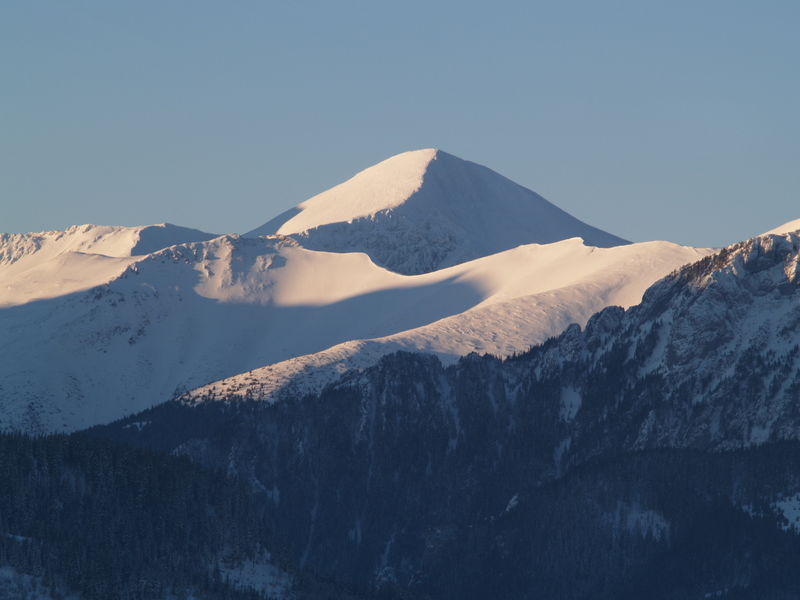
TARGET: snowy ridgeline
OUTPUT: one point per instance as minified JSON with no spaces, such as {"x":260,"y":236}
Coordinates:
{"x":35,"y":266}
{"x":721,"y":334}
{"x":100,"y":322}
{"x":195,"y":313}
{"x":541,"y":291}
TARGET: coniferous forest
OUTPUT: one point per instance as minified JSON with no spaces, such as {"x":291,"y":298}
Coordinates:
{"x":103,"y":520}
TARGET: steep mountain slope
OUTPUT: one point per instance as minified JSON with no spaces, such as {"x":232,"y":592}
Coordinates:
{"x":424,"y":210}
{"x":34,"y":266}
{"x":653,"y":454}
{"x":196,"y":313}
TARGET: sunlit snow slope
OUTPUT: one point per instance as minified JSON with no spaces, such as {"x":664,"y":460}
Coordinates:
{"x":525,"y":295}
{"x":788,"y":227}
{"x":195,"y":313}
{"x":53,"y":263}
{"x":424,"y":210}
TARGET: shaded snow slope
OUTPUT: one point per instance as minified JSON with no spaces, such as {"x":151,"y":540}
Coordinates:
{"x":196,"y":313}
{"x":424,"y":210}
{"x":53,"y":263}
{"x":531,"y":293}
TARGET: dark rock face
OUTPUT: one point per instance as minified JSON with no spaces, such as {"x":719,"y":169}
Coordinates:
{"x":653,"y":454}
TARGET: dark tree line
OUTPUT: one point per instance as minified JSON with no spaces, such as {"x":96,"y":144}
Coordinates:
{"x":110,"y":521}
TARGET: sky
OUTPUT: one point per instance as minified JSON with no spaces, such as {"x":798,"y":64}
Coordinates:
{"x":671,"y":120}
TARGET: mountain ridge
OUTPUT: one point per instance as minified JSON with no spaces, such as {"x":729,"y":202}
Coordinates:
{"x":511,"y":319}
{"x":664,"y":439}
{"x":96,"y":329}
{"x":49,"y":264}
{"x":195,"y":313}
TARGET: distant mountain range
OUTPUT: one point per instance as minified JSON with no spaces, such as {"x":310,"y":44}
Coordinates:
{"x":422,"y":252}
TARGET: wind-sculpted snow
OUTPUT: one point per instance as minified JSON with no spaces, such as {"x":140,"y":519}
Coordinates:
{"x":424,"y":210}
{"x":531,"y":293}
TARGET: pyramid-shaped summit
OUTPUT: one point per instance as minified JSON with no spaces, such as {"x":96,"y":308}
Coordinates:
{"x":425,"y":210}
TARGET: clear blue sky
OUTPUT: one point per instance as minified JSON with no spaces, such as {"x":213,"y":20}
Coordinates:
{"x":654,"y":120}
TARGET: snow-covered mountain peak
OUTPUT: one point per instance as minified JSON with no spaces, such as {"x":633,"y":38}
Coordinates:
{"x":424,"y":210}
{"x":380,"y":187}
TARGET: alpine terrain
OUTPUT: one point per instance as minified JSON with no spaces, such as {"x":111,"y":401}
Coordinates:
{"x":100,"y":322}
{"x":427,"y":382}
{"x":654,"y":453}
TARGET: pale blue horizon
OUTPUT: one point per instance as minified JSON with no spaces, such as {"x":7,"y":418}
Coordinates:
{"x":649,"y":120}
